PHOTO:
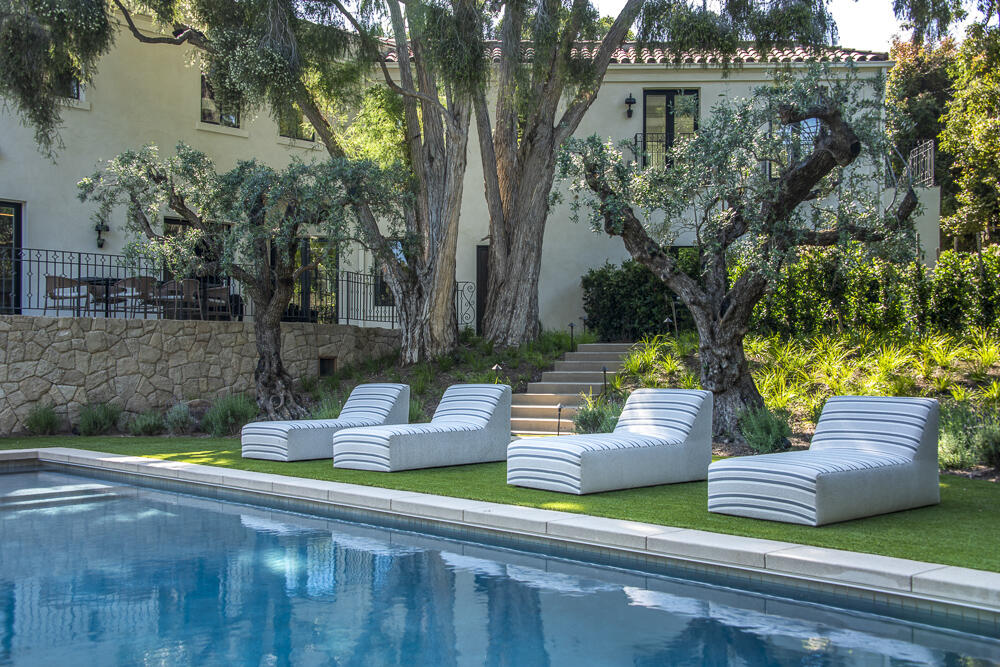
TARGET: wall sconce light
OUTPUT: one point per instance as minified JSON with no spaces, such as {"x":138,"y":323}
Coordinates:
{"x":101,"y":228}
{"x":629,"y":101}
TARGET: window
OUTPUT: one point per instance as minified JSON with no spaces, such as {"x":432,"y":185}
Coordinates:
{"x":67,"y":84}
{"x":797,"y":140}
{"x":292,"y":124}
{"x":667,"y":115}
{"x":211,"y":112}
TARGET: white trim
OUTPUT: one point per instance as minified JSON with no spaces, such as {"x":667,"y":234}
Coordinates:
{"x":222,"y":129}
{"x":303,"y":144}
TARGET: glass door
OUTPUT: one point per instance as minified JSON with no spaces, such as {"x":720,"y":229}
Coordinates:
{"x":10,"y":255}
{"x":667,"y":115}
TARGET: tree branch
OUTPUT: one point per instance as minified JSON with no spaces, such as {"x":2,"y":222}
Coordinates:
{"x":187,"y":34}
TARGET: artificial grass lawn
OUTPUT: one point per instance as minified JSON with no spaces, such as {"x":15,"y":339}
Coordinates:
{"x":963,"y":530}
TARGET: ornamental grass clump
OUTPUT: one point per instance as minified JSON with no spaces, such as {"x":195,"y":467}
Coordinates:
{"x":228,"y":415}
{"x":597,"y":414}
{"x":178,"y":420}
{"x":98,"y":418}
{"x":42,"y":420}
{"x":147,"y":423}
{"x":765,"y":431}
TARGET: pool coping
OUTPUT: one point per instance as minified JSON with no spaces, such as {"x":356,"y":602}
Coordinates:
{"x":920,"y":586}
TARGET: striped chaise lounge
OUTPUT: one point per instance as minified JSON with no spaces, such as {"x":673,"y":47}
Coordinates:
{"x":663,"y":436}
{"x":471,"y":425}
{"x":368,"y":405}
{"x":869,"y":456}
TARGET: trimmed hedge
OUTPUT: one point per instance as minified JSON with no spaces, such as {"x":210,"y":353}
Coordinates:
{"x":825,"y":290}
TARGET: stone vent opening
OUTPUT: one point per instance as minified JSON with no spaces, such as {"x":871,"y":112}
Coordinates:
{"x":327,"y":366}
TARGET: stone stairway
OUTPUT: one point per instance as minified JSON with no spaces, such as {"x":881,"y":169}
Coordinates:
{"x":536,"y":412}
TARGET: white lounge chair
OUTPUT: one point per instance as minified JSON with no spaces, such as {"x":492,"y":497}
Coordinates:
{"x":663,"y":436}
{"x":471,"y":425}
{"x":368,"y":405}
{"x":869,"y":456}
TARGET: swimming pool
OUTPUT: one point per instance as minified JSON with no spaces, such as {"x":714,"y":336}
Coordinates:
{"x":103,"y":572}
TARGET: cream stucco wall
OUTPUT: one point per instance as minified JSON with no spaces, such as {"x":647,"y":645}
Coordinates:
{"x":151,"y":94}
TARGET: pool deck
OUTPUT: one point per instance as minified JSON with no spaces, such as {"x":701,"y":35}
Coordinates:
{"x":927,"y":587}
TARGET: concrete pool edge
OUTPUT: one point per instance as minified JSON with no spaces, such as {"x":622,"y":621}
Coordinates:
{"x":938,"y":589}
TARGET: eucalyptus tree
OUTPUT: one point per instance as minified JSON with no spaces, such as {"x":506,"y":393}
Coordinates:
{"x":246,"y":223}
{"x":541,"y":99}
{"x":284,"y":54}
{"x":798,"y":164}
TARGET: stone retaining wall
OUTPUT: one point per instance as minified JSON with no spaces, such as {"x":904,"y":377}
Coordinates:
{"x":142,"y":364}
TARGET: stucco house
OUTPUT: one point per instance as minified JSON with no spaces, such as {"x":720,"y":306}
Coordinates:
{"x":149,"y":94}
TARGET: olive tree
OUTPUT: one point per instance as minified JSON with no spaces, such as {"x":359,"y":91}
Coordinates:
{"x":246,"y":223}
{"x":798,"y":164}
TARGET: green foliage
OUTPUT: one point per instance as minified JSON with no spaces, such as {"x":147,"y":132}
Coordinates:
{"x":417,"y":413}
{"x":47,"y":44}
{"x":960,"y":425}
{"x":147,"y":423}
{"x":842,"y":289}
{"x":765,"y":431}
{"x":972,"y":135}
{"x":597,"y":414}
{"x":918,"y":89}
{"x":42,"y":420}
{"x":228,"y":415}
{"x":328,"y":407}
{"x":628,"y":302}
{"x":98,"y":418}
{"x":988,"y":444}
{"x":178,"y":420}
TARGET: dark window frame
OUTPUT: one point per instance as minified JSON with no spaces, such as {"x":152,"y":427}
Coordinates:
{"x":299,"y":133}
{"x":206,"y":113}
{"x":668,"y":138}
{"x":14,"y":306}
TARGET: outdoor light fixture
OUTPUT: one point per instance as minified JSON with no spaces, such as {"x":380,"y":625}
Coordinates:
{"x":572,"y":345}
{"x":629,"y":101}
{"x":101,"y":228}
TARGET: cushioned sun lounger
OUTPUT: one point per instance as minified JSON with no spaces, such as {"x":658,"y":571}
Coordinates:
{"x":869,"y":456}
{"x":663,"y":436}
{"x":471,"y":425}
{"x":368,"y":405}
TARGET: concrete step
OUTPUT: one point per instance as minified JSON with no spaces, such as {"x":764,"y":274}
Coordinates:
{"x":564,"y":387}
{"x":574,"y":376}
{"x":543,"y":398}
{"x":614,"y":348}
{"x":540,"y":426}
{"x":541,"y":412}
{"x":602,"y":357}
{"x":573,"y":366}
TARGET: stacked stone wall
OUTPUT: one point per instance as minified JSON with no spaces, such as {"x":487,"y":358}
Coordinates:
{"x":140,"y":365}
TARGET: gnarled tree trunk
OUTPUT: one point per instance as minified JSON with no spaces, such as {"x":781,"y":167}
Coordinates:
{"x":276,"y":395}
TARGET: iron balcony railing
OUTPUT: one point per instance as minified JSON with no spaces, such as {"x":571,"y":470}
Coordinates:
{"x":61,"y":283}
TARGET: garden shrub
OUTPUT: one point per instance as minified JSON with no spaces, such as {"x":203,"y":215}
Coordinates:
{"x":42,"y":420}
{"x":417,"y":413}
{"x":178,"y":420}
{"x":960,"y":423}
{"x":766,"y":431}
{"x":628,"y":302}
{"x":147,"y":423}
{"x":597,"y":414}
{"x":988,"y":445}
{"x":98,"y":418}
{"x":328,"y":408}
{"x":228,"y":415}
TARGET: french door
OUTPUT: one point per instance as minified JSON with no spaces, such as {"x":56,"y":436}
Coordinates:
{"x":10,"y":254}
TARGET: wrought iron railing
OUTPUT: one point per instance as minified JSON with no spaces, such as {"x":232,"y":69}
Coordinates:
{"x":650,"y":148}
{"x":63,"y":283}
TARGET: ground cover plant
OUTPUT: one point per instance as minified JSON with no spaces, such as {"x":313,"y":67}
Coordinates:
{"x":474,"y":360}
{"x":960,"y":531}
{"x":796,"y":375}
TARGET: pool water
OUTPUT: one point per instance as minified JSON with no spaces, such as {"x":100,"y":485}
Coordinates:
{"x":103,"y":573}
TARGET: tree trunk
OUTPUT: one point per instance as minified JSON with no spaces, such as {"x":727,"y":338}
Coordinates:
{"x":725,"y":373}
{"x":511,"y":317}
{"x":276,"y":396}
{"x":427,"y":318}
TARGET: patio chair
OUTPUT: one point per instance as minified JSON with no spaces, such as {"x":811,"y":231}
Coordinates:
{"x":870,"y":455}
{"x":368,"y":405}
{"x":178,"y":297}
{"x":471,"y":425}
{"x":105,"y":297}
{"x":218,"y":301}
{"x":664,"y":436}
{"x":61,"y":290}
{"x":137,"y":292}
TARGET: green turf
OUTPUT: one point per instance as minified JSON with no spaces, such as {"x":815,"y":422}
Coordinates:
{"x":962,"y":530}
